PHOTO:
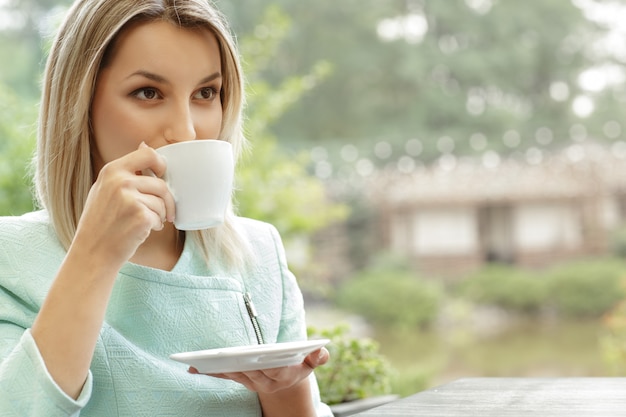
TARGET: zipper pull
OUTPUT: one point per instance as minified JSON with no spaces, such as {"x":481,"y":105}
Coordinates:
{"x":247,"y":299}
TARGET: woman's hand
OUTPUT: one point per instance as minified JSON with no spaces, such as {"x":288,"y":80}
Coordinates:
{"x":283,"y":392}
{"x":123,"y":207}
{"x":270,"y":381}
{"x":121,"y":210}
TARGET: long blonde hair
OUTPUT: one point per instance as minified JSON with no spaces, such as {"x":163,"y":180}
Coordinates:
{"x":64,"y":172}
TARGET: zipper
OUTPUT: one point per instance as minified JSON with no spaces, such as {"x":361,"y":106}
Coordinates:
{"x":247,"y":299}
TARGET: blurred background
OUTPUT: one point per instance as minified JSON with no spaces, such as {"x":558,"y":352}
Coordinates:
{"x":449,"y":177}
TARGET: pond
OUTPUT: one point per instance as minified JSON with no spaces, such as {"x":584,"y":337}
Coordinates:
{"x":520,"y":347}
{"x":528,"y":349}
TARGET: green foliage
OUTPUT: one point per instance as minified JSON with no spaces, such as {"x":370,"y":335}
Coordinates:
{"x":411,"y":380}
{"x":587,"y":288}
{"x":355,"y":370}
{"x":502,"y":56}
{"x":618,"y":241}
{"x":275,"y":185}
{"x":389,"y":293}
{"x":268,"y":101}
{"x":613,"y":343}
{"x":276,"y":188}
{"x":17,"y":139}
{"x":507,"y":287}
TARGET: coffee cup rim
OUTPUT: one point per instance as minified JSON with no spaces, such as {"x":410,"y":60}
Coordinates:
{"x":183,"y":143}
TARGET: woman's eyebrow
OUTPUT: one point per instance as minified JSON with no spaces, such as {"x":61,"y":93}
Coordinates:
{"x":162,"y":80}
{"x":149,"y":75}
{"x":210,"y":78}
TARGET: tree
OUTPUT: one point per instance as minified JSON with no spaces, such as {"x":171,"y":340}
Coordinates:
{"x":504,"y":73}
{"x":481,"y":74}
{"x":23,"y":37}
{"x":274,"y":183}
{"x":17,"y":139}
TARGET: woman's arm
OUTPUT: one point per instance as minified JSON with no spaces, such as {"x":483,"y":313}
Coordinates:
{"x":294,"y":401}
{"x":122,"y":209}
{"x":67,"y":326}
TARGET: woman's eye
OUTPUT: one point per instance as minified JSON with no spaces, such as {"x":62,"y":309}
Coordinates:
{"x":146,"y":93}
{"x":206,"y":93}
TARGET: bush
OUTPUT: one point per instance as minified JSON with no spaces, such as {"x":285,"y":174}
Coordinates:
{"x":613,"y":343}
{"x":507,"y":287}
{"x":411,"y":380}
{"x":390,"y":294}
{"x":618,"y":241}
{"x":355,"y":370}
{"x":586,"y":288}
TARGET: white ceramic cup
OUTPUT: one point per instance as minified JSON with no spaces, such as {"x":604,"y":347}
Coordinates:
{"x":199,"y":175}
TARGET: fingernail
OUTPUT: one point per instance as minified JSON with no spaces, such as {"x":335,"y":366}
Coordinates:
{"x":321,"y":355}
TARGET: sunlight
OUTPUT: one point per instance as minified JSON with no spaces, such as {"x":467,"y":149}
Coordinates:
{"x":583,"y":106}
{"x":411,"y":28}
{"x":10,"y":19}
{"x":612,"y":15}
{"x":598,"y":78}
{"x":480,"y":6}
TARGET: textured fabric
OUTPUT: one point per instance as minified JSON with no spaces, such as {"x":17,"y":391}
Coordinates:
{"x":151,"y":314}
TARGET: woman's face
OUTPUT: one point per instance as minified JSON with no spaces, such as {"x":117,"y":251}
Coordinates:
{"x":161,"y":85}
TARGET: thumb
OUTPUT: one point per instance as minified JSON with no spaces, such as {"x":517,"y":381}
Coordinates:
{"x":317,"y":358}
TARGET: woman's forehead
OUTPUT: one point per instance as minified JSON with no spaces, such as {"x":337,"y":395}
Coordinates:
{"x":163,"y":47}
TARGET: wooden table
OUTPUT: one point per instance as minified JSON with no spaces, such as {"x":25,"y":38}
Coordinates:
{"x":513,"y":397}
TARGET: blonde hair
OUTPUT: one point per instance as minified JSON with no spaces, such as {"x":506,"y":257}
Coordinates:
{"x":64,"y":172}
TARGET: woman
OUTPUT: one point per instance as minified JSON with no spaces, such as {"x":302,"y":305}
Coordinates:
{"x":98,"y":288}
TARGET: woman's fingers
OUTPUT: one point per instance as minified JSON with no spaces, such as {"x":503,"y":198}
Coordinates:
{"x":123,"y":206}
{"x":153,"y":187}
{"x":130,"y":166}
{"x":275,"y":379}
{"x":317,"y":358}
{"x":156,"y":208}
{"x":143,"y":158}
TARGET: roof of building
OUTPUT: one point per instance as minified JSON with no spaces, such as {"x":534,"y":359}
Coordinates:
{"x":577,"y":171}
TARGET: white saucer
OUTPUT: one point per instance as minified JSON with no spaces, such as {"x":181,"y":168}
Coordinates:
{"x":249,"y":358}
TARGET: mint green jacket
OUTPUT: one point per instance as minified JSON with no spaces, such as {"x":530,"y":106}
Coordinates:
{"x":151,"y":314}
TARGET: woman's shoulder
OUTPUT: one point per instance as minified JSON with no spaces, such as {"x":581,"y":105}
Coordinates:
{"x":28,"y":229}
{"x":30,"y":254}
{"x":256,"y":231}
{"x":17,"y":226}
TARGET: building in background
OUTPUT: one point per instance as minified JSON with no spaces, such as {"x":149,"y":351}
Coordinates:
{"x":453,"y":218}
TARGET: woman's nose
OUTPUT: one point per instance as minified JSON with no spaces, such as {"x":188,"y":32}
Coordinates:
{"x":180,"y":126}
